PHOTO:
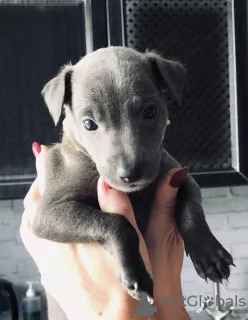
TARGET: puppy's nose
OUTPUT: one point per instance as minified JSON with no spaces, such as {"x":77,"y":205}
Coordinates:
{"x":129,"y":175}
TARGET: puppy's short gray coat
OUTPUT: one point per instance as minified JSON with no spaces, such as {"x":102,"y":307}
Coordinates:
{"x":115,"y":116}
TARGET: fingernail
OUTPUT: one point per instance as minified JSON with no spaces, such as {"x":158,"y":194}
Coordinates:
{"x":107,"y":186}
{"x":36,"y":148}
{"x":178,"y":178}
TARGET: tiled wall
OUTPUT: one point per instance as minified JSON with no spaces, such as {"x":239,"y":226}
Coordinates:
{"x":16,"y":264}
{"x":227,"y":214}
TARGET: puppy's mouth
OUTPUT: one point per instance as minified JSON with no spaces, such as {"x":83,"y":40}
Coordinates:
{"x":132,"y":186}
{"x":128,"y":188}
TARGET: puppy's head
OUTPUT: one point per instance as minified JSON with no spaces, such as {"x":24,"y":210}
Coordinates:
{"x":114,"y":104}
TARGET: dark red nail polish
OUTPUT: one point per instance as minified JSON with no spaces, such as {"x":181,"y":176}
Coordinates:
{"x":178,"y":178}
{"x":36,"y":148}
{"x":106,"y":185}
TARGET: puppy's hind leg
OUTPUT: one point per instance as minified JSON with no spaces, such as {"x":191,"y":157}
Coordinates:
{"x":72,"y":221}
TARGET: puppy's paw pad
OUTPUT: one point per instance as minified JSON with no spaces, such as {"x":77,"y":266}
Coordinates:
{"x":211,"y":260}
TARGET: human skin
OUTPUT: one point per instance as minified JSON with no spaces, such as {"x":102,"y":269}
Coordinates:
{"x":83,"y":278}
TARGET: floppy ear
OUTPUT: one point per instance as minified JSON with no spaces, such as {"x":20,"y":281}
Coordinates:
{"x":58,"y":92}
{"x":168,"y":73}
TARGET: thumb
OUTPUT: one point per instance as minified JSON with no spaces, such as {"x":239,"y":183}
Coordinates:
{"x":166,"y":194}
{"x":163,"y":212}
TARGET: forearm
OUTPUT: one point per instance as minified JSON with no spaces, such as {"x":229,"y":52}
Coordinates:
{"x":169,"y":300}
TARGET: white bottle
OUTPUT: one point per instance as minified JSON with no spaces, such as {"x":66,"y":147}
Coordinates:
{"x":31,"y":304}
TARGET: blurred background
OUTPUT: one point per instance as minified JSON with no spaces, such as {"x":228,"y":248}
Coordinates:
{"x":208,"y":133}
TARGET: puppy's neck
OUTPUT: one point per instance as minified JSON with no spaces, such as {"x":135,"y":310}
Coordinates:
{"x":70,"y":141}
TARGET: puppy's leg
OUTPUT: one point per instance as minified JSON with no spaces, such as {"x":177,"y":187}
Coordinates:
{"x":73,"y":221}
{"x":209,"y":257}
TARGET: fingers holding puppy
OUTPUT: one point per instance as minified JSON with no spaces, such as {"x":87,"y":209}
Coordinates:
{"x":40,"y":152}
{"x":32,"y":198}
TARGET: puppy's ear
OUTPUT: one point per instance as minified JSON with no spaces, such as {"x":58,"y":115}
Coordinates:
{"x":57,"y":92}
{"x":167,"y":73}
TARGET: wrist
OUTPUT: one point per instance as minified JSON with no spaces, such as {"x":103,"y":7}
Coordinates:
{"x":169,"y":313}
{"x":169,"y":300}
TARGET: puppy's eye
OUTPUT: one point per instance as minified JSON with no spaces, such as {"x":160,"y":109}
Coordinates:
{"x":90,"y":125}
{"x":150,"y":112}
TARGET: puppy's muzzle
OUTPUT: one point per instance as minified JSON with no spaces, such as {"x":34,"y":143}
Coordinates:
{"x":130,"y":174}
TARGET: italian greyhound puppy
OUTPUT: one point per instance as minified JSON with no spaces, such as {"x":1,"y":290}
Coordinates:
{"x":115,"y":122}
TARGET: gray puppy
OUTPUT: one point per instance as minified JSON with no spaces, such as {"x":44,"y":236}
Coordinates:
{"x":115,"y":121}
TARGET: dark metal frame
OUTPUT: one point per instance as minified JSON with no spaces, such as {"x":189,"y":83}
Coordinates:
{"x":95,"y":10}
{"x":94,"y":20}
{"x":241,"y":36}
{"x":239,"y":174}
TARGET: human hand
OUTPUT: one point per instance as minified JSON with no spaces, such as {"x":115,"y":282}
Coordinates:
{"x":166,"y":249}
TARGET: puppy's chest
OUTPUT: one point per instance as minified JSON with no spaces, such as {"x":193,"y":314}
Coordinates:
{"x":86,"y":190}
{"x":142,"y":204}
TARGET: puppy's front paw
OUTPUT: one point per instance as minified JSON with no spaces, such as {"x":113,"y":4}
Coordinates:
{"x":137,"y":283}
{"x":210,"y":259}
